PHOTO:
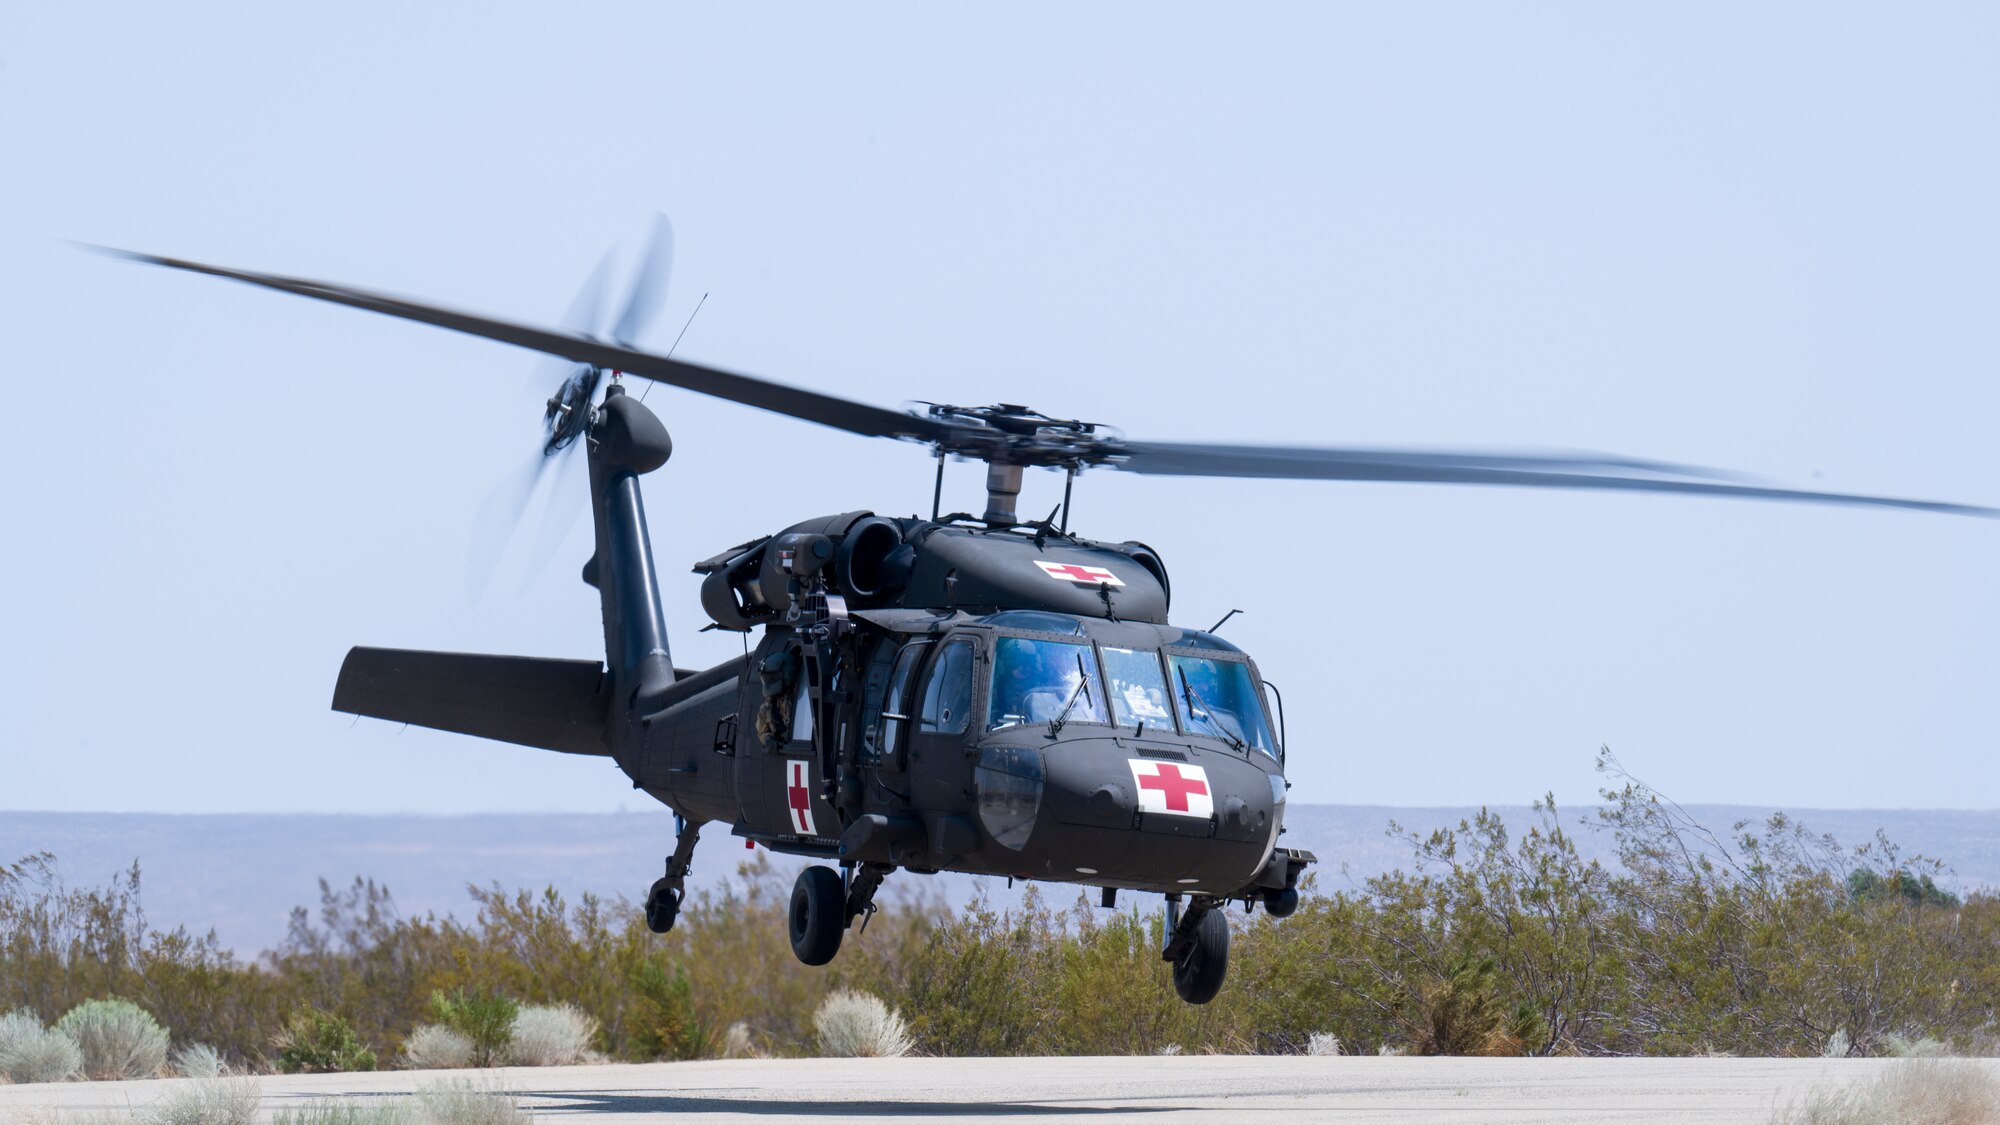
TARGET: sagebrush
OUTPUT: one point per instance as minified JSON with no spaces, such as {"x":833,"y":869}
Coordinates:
{"x":119,"y":1039}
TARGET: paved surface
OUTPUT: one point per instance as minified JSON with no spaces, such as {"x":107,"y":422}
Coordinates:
{"x":1156,"y":1090}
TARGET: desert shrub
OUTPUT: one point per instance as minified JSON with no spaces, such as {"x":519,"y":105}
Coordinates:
{"x":1322,"y":1044}
{"x":1865,"y":884}
{"x":1837,"y":1045}
{"x":206,"y":1101}
{"x":1913,"y":1092}
{"x":346,"y":1111}
{"x":556,"y":1035}
{"x":1755,"y":939}
{"x":432,"y":1047}
{"x":198,"y":1060}
{"x":484,"y":1017}
{"x":463,"y":1103}
{"x":737,"y":1043}
{"x":856,"y":1025}
{"x":30,"y":1052}
{"x":118,"y":1038}
{"x":317,"y":1042}
{"x":16,"y":1027}
{"x":1897,"y":1046}
{"x":667,"y":1024}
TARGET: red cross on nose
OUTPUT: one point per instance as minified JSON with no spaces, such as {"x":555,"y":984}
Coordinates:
{"x":1175,"y":787}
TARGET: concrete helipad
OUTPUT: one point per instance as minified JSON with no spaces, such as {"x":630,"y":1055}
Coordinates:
{"x":1203,"y":1088}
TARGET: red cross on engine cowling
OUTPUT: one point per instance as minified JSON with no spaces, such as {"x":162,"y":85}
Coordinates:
{"x":1077,"y":572}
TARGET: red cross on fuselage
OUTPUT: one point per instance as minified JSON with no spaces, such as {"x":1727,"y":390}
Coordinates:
{"x":1074,"y":572}
{"x":1175,"y":787}
{"x":798,"y":797}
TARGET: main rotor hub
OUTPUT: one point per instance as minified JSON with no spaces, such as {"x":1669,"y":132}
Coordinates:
{"x":1009,"y":434}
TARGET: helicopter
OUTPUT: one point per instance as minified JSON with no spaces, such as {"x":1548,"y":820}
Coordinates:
{"x":969,"y":693}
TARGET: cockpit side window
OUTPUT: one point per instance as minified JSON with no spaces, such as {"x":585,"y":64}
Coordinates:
{"x":1038,"y":681}
{"x":948,"y":697}
{"x":1217,"y":698}
{"x":895,"y":714}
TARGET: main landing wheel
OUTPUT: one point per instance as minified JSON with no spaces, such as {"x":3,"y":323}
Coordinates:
{"x":1198,"y":976}
{"x":819,"y":914}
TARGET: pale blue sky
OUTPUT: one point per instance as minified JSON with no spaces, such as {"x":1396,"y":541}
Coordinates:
{"x":1755,"y":237}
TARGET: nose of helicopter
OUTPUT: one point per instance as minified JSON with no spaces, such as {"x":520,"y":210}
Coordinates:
{"x":1150,"y":813}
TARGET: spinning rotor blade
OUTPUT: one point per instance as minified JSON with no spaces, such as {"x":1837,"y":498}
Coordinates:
{"x":1010,"y":435}
{"x":649,"y":286}
{"x":1292,"y":463}
{"x":810,"y":406}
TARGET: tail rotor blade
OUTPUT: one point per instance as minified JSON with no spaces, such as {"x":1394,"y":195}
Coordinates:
{"x":584,"y":317}
{"x":648,"y":293}
{"x":494,"y":524}
{"x":566,"y":501}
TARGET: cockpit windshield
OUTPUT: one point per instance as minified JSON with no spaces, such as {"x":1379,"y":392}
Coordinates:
{"x":1138,"y":693}
{"x":1217,"y":698}
{"x":1037,"y":681}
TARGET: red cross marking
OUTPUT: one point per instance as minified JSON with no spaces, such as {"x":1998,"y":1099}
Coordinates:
{"x":1073,"y":571}
{"x":1176,"y":788}
{"x":798,"y":797}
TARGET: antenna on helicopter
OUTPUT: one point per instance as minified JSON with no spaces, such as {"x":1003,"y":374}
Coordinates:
{"x":677,"y":341}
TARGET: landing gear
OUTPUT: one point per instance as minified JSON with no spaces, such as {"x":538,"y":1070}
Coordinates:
{"x":819,"y":915}
{"x":824,"y":904}
{"x":663,"y":899}
{"x":1197,"y":947}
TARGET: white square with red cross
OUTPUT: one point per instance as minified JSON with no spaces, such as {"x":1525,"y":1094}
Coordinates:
{"x":798,"y":796}
{"x":1174,"y":788}
{"x":1077,"y":572}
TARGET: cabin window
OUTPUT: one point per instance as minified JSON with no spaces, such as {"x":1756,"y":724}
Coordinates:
{"x":1217,"y":698}
{"x":1037,"y":681}
{"x":802,"y":714}
{"x":948,"y":698}
{"x":1139,"y":696}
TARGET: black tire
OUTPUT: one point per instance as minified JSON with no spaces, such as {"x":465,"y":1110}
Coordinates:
{"x":819,"y":914}
{"x":663,"y":906}
{"x":1199,"y":975}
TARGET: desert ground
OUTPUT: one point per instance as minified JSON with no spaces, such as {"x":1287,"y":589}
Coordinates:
{"x":1156,"y":1090}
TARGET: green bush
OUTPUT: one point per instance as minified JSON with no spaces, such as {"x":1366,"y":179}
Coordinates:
{"x":668,"y":1025}
{"x":482,"y":1016}
{"x":119,"y":1040}
{"x":317,"y":1042}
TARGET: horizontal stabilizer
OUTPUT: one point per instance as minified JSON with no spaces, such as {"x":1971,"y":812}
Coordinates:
{"x":549,"y":704}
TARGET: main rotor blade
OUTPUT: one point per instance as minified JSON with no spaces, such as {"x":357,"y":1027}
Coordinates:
{"x":1423,"y":467}
{"x":795,"y":402}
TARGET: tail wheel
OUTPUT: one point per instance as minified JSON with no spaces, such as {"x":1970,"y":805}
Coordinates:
{"x":1199,"y":975}
{"x":663,"y":906}
{"x":819,"y":915}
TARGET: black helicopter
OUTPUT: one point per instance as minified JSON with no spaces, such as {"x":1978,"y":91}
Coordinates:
{"x":977,"y":694}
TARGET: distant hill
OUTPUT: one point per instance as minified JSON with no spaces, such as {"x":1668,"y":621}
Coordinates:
{"x":242,"y":874}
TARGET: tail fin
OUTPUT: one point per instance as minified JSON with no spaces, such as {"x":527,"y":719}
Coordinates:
{"x":627,"y":440}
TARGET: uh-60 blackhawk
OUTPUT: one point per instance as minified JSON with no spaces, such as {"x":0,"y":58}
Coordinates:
{"x":964,"y":693}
